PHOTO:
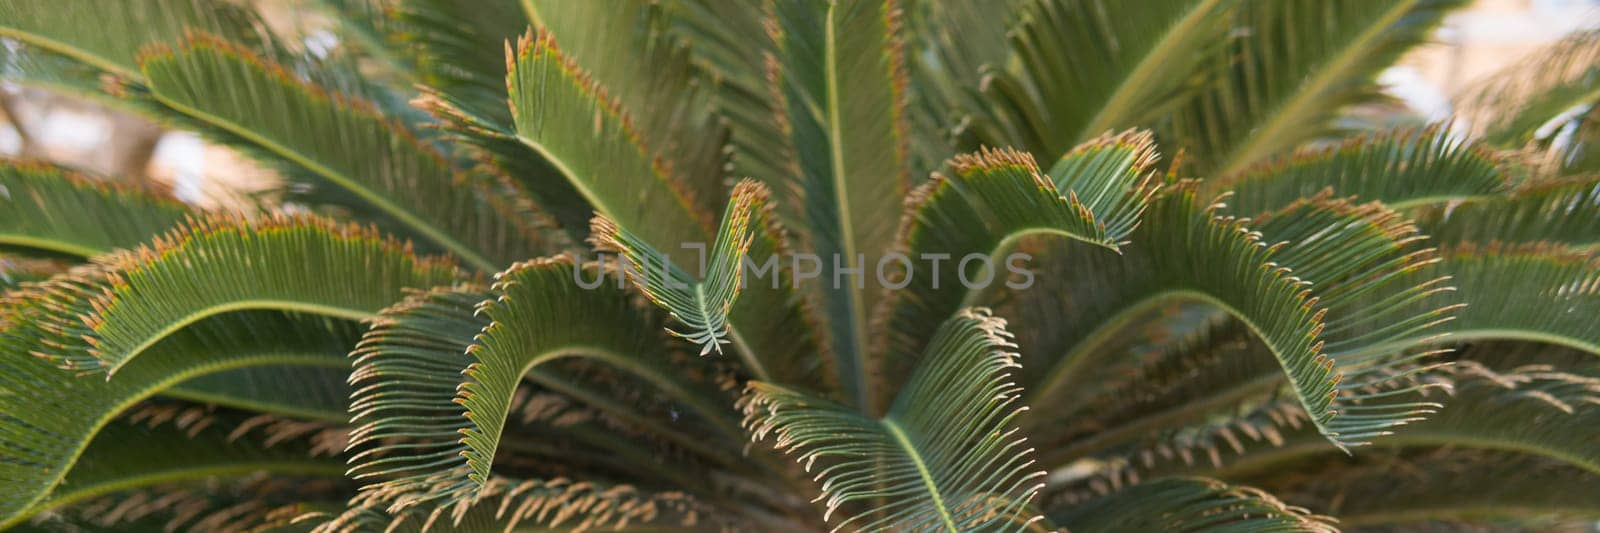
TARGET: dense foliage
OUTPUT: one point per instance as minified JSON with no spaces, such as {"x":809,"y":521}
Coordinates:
{"x":1245,"y":303}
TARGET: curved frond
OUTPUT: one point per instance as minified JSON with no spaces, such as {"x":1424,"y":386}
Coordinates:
{"x":1082,"y":69}
{"x":53,"y":210}
{"x":110,"y":36}
{"x":1094,"y":194}
{"x":50,"y":415}
{"x":504,"y":504}
{"x":1328,"y":287}
{"x":429,"y":435}
{"x":101,"y":317}
{"x":1533,"y":292}
{"x":1566,"y":212}
{"x":343,"y":140}
{"x":126,"y":455}
{"x":701,"y":302}
{"x":1189,"y":504}
{"x":946,"y":456}
{"x":1399,"y":168}
{"x":1299,"y":65}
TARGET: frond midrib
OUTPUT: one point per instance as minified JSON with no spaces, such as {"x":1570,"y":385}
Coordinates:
{"x":902,"y":440}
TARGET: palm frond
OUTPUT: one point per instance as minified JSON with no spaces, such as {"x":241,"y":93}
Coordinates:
{"x":53,"y":210}
{"x":1400,"y":168}
{"x":51,"y":415}
{"x":1081,"y":69}
{"x":1562,"y":211}
{"x":128,"y":455}
{"x":1510,"y":107}
{"x":1189,"y":504}
{"x":427,"y":434}
{"x":1458,"y":486}
{"x":1533,"y":292}
{"x":954,"y":45}
{"x":343,"y":140}
{"x":505,"y":504}
{"x":1094,"y":194}
{"x":312,"y":393}
{"x":1294,"y":69}
{"x":701,"y":302}
{"x":103,"y":316}
{"x":836,"y":85}
{"x":567,"y":118}
{"x":120,"y":31}
{"x":1328,"y":287}
{"x":945,"y":457}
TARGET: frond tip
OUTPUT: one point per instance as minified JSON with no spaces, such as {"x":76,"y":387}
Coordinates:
{"x":701,"y":305}
{"x":946,"y":456}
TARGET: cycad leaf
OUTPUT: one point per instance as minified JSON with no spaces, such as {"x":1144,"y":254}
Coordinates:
{"x":111,"y":35}
{"x":946,"y":456}
{"x":1533,"y":292}
{"x":1563,"y":211}
{"x":1510,"y":107}
{"x":345,"y":141}
{"x":1297,"y":67}
{"x":1094,"y":194}
{"x":837,"y":79}
{"x":1189,"y":504}
{"x":1331,"y":297}
{"x":558,"y":504}
{"x":460,"y":51}
{"x":50,"y":209}
{"x":1081,"y":69}
{"x":429,"y":435}
{"x":561,"y":113}
{"x":51,"y":415}
{"x":1399,"y":168}
{"x":628,"y":50}
{"x":1531,"y":410}
{"x":1456,"y":486}
{"x":128,"y":455}
{"x":302,"y":392}
{"x":104,"y":316}
{"x":699,"y":302}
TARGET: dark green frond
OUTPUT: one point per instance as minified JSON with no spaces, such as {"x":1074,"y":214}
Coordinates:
{"x":1094,"y":194}
{"x":1189,"y":504}
{"x":102,"y":317}
{"x":1081,"y":69}
{"x":1532,"y":292}
{"x":1288,"y":76}
{"x":53,"y":210}
{"x":1565,"y":212}
{"x":110,"y":36}
{"x":702,"y":301}
{"x":946,"y":456}
{"x":1399,"y":168}
{"x":312,"y":393}
{"x":345,"y":141}
{"x":51,"y":414}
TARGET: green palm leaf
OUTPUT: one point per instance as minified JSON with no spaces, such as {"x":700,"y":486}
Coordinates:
{"x":313,"y":393}
{"x":1559,"y":211}
{"x":1497,"y":280}
{"x":122,"y":29}
{"x":945,"y":457}
{"x":419,"y":417}
{"x":53,"y":210}
{"x":127,"y":455}
{"x":1400,"y":168}
{"x":107,"y":315}
{"x":1189,"y":504}
{"x":702,"y":304}
{"x":225,"y":86}
{"x":1094,"y":194}
{"x":1081,"y":69}
{"x":51,"y":415}
{"x":1297,"y":67}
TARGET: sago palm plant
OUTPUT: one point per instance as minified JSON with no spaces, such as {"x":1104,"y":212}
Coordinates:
{"x":926,"y":265}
